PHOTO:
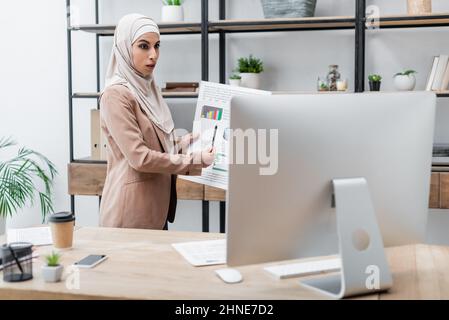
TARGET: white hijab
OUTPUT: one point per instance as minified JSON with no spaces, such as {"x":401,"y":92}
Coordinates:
{"x":121,"y":71}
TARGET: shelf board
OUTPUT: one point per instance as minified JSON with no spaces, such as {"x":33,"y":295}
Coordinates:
{"x":283,"y":24}
{"x":180,"y":94}
{"x":250,"y":25}
{"x":168,"y":95}
{"x":311,"y":92}
{"x":95,"y":95}
{"x":408,"y":21}
{"x":87,"y":177}
{"x":89,"y":160}
{"x":164,"y":28}
{"x":443,"y":94}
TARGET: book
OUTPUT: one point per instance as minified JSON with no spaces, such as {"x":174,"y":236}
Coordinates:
{"x":445,"y":81}
{"x":180,"y":89}
{"x":439,"y":73}
{"x":171,"y":85}
{"x":432,"y":73}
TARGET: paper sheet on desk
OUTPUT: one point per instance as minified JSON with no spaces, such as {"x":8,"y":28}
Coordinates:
{"x":203,"y":253}
{"x":39,"y":236}
{"x":213,"y":109}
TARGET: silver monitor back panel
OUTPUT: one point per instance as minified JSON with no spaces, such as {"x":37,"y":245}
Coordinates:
{"x":384,"y":137}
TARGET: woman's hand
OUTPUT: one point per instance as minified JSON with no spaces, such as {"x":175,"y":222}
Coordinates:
{"x":207,"y":157}
{"x":187,"y":140}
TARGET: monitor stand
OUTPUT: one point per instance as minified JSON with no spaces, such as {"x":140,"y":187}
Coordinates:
{"x":364,"y":267}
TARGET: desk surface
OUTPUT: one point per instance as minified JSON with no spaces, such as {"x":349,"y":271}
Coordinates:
{"x":143,"y":265}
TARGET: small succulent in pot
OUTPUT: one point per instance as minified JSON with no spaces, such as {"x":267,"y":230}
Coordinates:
{"x":52,"y":271}
{"x":235,"y":79}
{"x":405,"y":81}
{"x":374,"y":82}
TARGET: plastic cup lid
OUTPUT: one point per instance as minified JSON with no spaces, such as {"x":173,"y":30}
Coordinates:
{"x":61,"y":217}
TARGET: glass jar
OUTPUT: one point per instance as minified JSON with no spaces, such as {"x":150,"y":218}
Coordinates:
{"x":332,"y":77}
{"x":342,"y":85}
{"x":322,"y":84}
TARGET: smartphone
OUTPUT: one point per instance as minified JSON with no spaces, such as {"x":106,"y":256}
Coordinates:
{"x":90,"y":261}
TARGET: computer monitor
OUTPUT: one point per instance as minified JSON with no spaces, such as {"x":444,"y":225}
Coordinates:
{"x":385,"y":138}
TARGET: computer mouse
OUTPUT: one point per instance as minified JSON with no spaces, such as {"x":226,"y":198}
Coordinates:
{"x":229,"y":275}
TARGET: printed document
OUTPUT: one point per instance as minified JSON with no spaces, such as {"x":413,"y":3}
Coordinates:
{"x":39,"y":236}
{"x":211,"y":122}
{"x":203,"y":253}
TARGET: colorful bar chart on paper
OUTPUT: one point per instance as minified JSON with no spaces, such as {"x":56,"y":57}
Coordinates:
{"x":212,"y":113}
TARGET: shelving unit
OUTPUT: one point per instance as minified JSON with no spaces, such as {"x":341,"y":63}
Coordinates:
{"x":358,"y":23}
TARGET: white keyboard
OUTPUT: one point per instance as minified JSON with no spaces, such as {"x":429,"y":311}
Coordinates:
{"x":292,"y":270}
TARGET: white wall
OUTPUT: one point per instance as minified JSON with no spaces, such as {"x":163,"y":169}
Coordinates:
{"x":33,"y":85}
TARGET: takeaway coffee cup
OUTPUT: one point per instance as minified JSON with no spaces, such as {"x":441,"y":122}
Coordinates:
{"x":61,"y":225}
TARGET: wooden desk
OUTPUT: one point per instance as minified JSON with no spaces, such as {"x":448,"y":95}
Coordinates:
{"x":143,"y":265}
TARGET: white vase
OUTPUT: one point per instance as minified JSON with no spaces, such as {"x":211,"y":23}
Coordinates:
{"x":52,"y":274}
{"x":172,"y":14}
{"x":234,"y":82}
{"x":404,"y":82}
{"x":250,"y":80}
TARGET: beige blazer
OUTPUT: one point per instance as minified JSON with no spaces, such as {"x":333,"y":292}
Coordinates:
{"x":140,"y":186}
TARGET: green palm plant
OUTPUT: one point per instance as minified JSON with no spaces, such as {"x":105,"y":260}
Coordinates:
{"x":18,"y":177}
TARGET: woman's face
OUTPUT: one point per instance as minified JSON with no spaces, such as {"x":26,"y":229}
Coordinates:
{"x":145,"y":53}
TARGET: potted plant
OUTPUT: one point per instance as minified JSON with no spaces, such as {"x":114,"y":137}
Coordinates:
{"x":172,"y":11}
{"x":19,"y":176}
{"x":52,"y":270}
{"x":234,"y":80}
{"x":250,"y":69}
{"x":374,"y":82}
{"x":405,"y":81}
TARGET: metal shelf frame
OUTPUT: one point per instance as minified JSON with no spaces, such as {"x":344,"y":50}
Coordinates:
{"x":358,"y":23}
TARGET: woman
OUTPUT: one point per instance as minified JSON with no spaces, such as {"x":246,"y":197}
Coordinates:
{"x":144,"y":157}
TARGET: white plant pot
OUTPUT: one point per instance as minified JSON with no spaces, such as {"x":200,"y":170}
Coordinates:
{"x":405,"y":83}
{"x":172,"y":14}
{"x":52,"y":274}
{"x":250,"y":80}
{"x":235,"y":82}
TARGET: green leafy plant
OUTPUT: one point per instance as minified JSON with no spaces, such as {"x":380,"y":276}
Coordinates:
{"x":235,"y":77}
{"x":53,"y":259}
{"x":18,"y":177}
{"x":405,"y":73}
{"x":172,"y":2}
{"x":250,"y":65}
{"x":374,"y":78}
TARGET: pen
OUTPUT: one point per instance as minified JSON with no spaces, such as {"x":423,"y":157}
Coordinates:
{"x":213,"y":138}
